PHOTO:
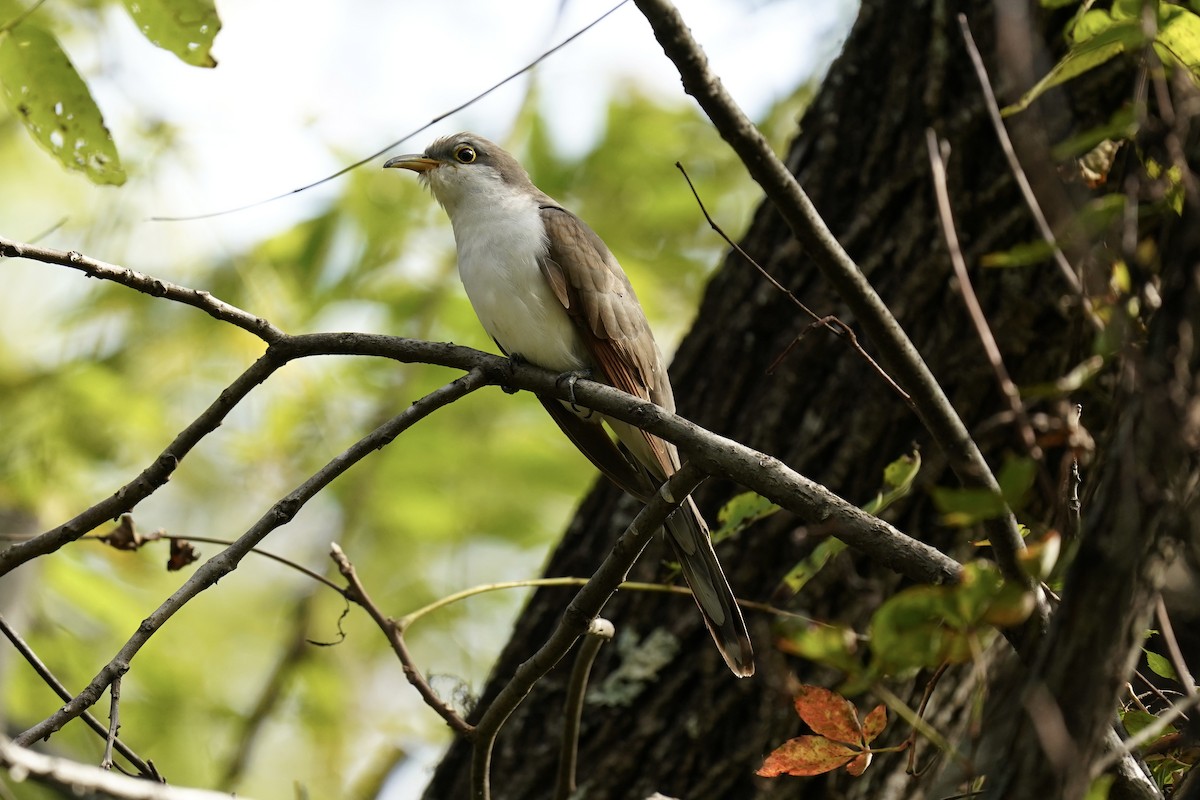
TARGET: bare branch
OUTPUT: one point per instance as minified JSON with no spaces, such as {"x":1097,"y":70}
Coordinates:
{"x":147,"y":284}
{"x":577,"y":617}
{"x":358,"y":593}
{"x":144,"y":769}
{"x":897,"y":351}
{"x":114,"y":723}
{"x":974,"y":310}
{"x":227,"y":560}
{"x":599,"y":631}
{"x":1014,"y":165}
{"x":830,"y":323}
{"x":81,"y":779}
{"x":149,"y":480}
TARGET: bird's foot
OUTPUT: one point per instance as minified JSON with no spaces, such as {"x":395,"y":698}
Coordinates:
{"x":515,"y":360}
{"x":570,"y":379}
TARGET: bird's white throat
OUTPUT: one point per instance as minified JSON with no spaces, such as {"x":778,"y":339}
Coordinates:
{"x":500,"y":236}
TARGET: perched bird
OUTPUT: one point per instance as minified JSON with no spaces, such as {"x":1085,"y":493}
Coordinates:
{"x":547,"y":290}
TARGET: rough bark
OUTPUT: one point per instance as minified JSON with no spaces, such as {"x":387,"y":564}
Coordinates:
{"x":686,"y":727}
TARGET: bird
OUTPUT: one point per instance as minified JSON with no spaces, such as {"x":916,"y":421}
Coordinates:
{"x":549,"y":292}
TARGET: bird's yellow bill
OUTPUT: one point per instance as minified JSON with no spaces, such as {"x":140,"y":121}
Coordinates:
{"x":417,"y":163}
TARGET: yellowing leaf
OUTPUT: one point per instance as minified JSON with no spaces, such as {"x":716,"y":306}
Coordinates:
{"x":183,"y":27}
{"x":829,"y":714}
{"x":806,"y":755}
{"x":43,"y":89}
{"x":859,"y":764}
{"x":1179,"y":36}
{"x":875,"y":722}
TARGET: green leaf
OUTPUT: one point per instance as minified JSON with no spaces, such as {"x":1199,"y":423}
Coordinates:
{"x":898,"y":477}
{"x":741,"y":512}
{"x":961,"y":508}
{"x":1057,"y":3}
{"x":43,"y":89}
{"x":1161,"y":665}
{"x":832,"y":645}
{"x":1016,"y":478}
{"x":1120,"y":126}
{"x":799,"y":576}
{"x":1135,"y":720}
{"x":184,"y":27}
{"x":926,"y":625}
{"x":1020,"y":255}
{"x":1114,"y":39}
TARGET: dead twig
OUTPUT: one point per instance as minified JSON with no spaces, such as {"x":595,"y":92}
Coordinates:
{"x":830,"y":323}
{"x":357,"y":593}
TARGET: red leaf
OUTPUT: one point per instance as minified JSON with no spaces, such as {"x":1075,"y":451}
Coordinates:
{"x":859,"y":765}
{"x":829,"y":714}
{"x":875,"y":722}
{"x":806,"y":755}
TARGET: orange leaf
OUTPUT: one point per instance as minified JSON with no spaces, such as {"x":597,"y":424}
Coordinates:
{"x":829,"y":714}
{"x":875,"y":722}
{"x":859,"y":765}
{"x":806,"y":755}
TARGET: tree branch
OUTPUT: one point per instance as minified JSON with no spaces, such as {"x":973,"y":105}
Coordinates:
{"x":228,"y":559}
{"x":897,"y":351}
{"x":147,"y":284}
{"x":577,"y":617}
{"x":144,"y":769}
{"x":81,"y":779}
{"x":395,"y":634}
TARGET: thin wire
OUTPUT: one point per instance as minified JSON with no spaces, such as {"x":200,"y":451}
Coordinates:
{"x":407,"y":136}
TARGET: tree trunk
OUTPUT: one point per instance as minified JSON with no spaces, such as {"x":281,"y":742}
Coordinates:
{"x":676,"y":721}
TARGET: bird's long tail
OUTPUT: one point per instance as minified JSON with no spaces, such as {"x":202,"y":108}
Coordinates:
{"x":689,"y":538}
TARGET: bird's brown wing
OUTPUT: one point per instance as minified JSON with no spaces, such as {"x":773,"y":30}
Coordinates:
{"x":592,"y":287}
{"x":596,"y":293}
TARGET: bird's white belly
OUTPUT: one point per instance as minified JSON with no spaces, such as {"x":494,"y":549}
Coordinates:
{"x":497,"y":261}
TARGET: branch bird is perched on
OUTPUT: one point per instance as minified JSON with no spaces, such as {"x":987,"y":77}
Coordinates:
{"x":548,"y":291}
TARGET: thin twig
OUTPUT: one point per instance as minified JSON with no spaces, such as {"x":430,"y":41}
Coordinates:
{"x":896,"y":350}
{"x":144,"y":769}
{"x":911,"y":739}
{"x":1014,"y":165}
{"x":599,"y":631}
{"x":147,"y":284}
{"x":830,"y":323}
{"x":575,"y":620}
{"x":150,"y":479}
{"x":358,"y":594}
{"x":258,"y":551}
{"x":21,"y":17}
{"x":974,"y":310}
{"x":114,"y":722}
{"x":1167,"y":632}
{"x":227,"y":560}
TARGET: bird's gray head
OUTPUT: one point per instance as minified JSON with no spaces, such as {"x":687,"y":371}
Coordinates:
{"x":466,"y":166}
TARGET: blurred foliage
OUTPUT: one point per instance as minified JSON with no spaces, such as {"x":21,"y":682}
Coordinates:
{"x":96,"y":379}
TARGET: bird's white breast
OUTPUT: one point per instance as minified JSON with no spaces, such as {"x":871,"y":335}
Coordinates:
{"x":499,"y":235}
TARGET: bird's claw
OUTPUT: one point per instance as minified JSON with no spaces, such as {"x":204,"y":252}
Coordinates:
{"x":570,"y":379}
{"x":514,"y":361}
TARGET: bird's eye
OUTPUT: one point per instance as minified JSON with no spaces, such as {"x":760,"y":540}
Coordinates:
{"x":465,"y":154}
